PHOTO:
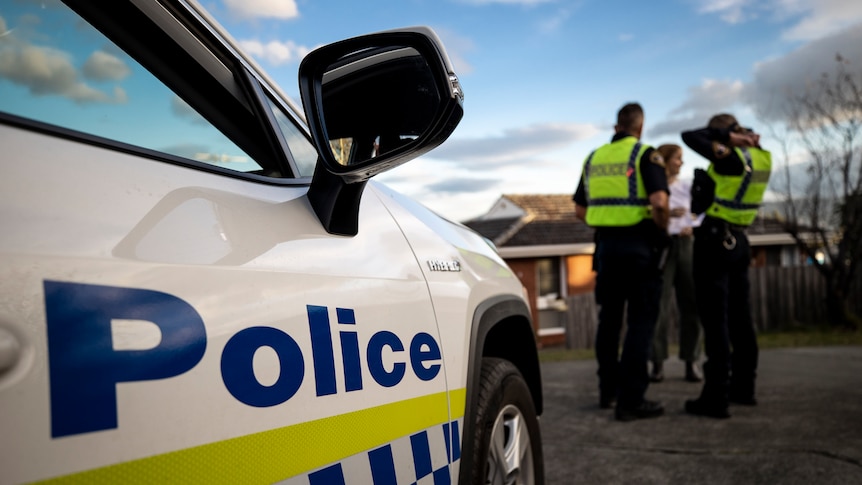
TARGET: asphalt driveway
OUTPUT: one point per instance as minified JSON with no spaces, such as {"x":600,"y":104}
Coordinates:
{"x":807,"y":428}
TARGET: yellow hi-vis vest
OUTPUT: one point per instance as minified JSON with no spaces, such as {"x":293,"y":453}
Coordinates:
{"x":737,"y":197}
{"x":615,"y":191}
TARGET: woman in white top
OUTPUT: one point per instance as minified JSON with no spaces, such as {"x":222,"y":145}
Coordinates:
{"x":678,"y":276}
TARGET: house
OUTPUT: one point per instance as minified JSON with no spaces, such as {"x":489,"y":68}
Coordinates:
{"x":551,"y":251}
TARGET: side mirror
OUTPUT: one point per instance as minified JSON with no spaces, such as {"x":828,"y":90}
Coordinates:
{"x":373,"y":103}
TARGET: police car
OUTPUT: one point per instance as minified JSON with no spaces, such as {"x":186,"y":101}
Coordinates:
{"x":202,"y":284}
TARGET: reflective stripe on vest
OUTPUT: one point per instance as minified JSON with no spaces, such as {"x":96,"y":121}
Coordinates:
{"x":737,"y":197}
{"x":615,"y":192}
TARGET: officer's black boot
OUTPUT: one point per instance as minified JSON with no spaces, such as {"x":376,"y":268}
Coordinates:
{"x":711,"y":403}
{"x":742,"y":393}
{"x":706,"y":407}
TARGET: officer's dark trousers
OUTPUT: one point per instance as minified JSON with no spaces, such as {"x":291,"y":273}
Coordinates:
{"x":627,"y":273}
{"x":721,"y":260}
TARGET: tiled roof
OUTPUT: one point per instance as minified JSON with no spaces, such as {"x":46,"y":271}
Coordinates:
{"x":492,"y":228}
{"x":539,"y":232}
{"x":550,"y":220}
{"x":546,"y":207}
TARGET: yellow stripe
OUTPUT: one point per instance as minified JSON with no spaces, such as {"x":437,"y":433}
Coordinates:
{"x":281,"y":453}
{"x":458,"y":403}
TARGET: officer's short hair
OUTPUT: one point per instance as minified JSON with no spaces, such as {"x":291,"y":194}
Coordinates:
{"x":722,"y":121}
{"x":631,"y":117}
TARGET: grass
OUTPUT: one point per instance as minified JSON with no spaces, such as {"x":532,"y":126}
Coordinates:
{"x":819,"y":336}
{"x":809,"y":337}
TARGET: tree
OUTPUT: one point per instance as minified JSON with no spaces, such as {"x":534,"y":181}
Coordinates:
{"x":824,"y":212}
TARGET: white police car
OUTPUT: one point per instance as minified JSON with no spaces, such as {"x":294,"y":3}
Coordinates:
{"x":194,"y":291}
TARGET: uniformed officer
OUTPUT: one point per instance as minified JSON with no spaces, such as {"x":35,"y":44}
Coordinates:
{"x":739,"y":170}
{"x":623,"y":193}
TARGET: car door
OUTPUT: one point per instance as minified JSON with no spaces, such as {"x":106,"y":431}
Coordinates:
{"x":171,"y":307}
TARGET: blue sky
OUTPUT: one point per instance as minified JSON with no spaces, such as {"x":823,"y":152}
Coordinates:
{"x":543,"y":79}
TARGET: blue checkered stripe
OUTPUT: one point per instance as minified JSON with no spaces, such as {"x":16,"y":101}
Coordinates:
{"x":425,"y":458}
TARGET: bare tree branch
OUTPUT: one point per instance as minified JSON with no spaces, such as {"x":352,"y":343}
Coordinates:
{"x":824,"y":213}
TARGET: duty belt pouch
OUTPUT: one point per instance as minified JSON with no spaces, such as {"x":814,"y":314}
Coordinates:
{"x":702,"y":191}
{"x":712,"y":229}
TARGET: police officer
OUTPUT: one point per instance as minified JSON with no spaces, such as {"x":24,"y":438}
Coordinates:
{"x":623,"y":193}
{"x":739,"y":170}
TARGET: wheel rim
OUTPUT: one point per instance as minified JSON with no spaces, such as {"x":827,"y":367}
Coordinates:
{"x":510,"y":454}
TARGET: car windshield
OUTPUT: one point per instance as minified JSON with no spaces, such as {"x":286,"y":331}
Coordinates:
{"x":56,"y":69}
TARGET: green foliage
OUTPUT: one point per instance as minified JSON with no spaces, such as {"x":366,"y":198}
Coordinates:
{"x":557,"y":354}
{"x":809,"y":337}
{"x":819,"y":336}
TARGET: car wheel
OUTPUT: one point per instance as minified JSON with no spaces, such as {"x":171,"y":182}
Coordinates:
{"x":507,"y":446}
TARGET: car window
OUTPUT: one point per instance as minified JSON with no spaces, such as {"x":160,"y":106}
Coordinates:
{"x":303,"y":151}
{"x":52,"y":72}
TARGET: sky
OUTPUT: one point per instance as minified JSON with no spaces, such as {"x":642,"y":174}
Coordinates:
{"x":543,"y":79}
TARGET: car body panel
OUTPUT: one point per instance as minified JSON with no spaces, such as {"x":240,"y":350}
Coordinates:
{"x":242,"y":254}
{"x":167,"y":317}
{"x":482,"y":275}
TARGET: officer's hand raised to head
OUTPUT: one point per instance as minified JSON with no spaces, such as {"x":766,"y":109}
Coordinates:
{"x":744,"y":139}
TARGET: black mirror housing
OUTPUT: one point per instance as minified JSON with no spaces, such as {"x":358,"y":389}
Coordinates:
{"x":372,"y":103}
{"x":377,"y":101}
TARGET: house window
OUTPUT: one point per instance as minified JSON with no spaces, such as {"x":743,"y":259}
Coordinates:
{"x":549,"y":277}
{"x":551,"y":305}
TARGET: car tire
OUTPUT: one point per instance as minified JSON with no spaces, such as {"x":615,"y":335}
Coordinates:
{"x":507,"y":448}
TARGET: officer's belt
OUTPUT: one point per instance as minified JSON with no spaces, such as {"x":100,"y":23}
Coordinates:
{"x":606,"y":201}
{"x":730,"y":204}
{"x":715,"y":221}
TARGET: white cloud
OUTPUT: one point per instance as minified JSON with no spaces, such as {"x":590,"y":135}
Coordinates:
{"x":43,"y":3}
{"x":461,"y":185}
{"x":711,"y":97}
{"x":101,"y":66}
{"x":451,"y":191}
{"x":527,"y":3}
{"x":120,"y":95}
{"x":819,"y":17}
{"x":280,"y":9}
{"x":675,"y":126}
{"x":46,"y":71}
{"x":626,"y":37}
{"x":772,"y":82}
{"x":825,"y":27}
{"x":514,"y":145}
{"x":812,"y":19}
{"x":457,"y":48}
{"x":731,"y":11}
{"x":556,"y":19}
{"x":795,"y":72}
{"x":275,"y":52}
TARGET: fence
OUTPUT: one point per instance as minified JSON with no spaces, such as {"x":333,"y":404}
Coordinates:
{"x":780,"y":298}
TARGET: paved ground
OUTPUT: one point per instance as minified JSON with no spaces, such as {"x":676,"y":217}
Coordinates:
{"x":807,"y":428}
